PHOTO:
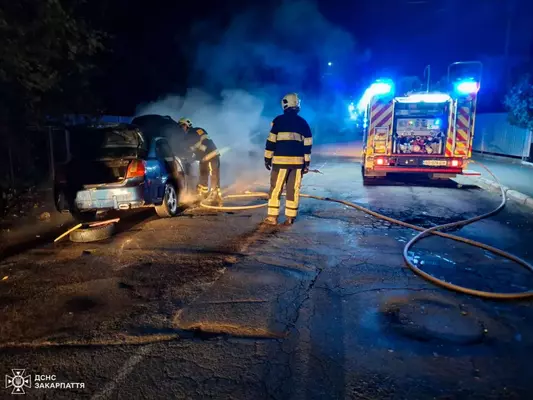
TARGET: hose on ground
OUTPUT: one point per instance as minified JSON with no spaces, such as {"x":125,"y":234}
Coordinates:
{"x":424,"y":232}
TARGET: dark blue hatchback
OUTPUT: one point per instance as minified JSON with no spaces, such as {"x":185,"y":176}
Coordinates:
{"x":120,"y":167}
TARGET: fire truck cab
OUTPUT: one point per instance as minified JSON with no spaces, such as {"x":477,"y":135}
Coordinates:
{"x":421,"y":133}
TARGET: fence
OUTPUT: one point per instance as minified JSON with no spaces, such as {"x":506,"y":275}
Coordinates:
{"x":27,"y":158}
{"x":495,"y":135}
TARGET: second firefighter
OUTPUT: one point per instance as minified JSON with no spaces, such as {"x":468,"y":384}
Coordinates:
{"x":206,"y":152}
{"x":287,"y":155}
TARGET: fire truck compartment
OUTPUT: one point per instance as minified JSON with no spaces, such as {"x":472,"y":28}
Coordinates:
{"x":420,"y":128}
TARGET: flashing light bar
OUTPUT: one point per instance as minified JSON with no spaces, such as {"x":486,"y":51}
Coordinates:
{"x":378,"y":88}
{"x":467,"y":87}
{"x":425,"y":98}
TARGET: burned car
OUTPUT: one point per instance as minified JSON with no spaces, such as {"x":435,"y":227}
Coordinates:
{"x":119,"y":167}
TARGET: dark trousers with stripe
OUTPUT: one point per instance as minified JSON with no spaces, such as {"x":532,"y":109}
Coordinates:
{"x":291,"y":179}
{"x":209,"y":169}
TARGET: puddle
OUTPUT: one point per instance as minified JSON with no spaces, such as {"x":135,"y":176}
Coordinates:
{"x":428,"y":320}
{"x":431,"y":259}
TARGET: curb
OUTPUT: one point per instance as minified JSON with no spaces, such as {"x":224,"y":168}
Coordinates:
{"x":509,"y":160}
{"x":511,"y":194}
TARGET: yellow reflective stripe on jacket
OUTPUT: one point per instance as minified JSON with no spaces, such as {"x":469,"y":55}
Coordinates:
{"x":269,"y":153}
{"x":200,"y":131}
{"x":290,"y":136}
{"x":307,"y":157}
{"x":198,"y":144}
{"x":288,"y":160}
{"x":211,"y":155}
{"x":272,"y":137}
{"x":308,"y":141}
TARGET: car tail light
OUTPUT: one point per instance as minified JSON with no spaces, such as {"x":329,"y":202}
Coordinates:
{"x":456,"y":163}
{"x":136,"y":169}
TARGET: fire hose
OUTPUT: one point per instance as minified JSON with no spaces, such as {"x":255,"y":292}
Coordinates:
{"x":423,"y":232}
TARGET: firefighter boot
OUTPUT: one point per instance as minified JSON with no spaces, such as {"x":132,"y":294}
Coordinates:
{"x":215,"y":198}
{"x":202,"y":192}
{"x":289,"y":221}
{"x":270,"y":220}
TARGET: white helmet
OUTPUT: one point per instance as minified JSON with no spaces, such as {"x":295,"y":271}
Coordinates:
{"x":290,"y":100}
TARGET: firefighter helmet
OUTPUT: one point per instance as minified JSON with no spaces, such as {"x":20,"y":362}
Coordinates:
{"x":290,"y":100}
{"x":185,"y":121}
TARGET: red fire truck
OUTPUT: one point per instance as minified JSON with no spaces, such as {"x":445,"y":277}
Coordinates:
{"x":422,"y":133}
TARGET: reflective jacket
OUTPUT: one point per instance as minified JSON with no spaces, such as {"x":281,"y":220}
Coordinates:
{"x":289,"y":142}
{"x":201,"y":145}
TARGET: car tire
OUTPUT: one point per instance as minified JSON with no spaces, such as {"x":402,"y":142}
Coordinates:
{"x":85,"y":235}
{"x":366,"y":180}
{"x":169,"y":206}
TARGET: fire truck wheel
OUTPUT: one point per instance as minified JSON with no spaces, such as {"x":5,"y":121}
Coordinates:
{"x":368,"y":181}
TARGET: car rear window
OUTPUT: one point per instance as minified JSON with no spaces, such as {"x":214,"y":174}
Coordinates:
{"x":121,"y":138}
{"x":95,"y":143}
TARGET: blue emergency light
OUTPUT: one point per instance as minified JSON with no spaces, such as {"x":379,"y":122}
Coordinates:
{"x":380,"y":88}
{"x":466,"y":87}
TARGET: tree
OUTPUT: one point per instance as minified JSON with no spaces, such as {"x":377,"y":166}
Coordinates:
{"x":44,"y":44}
{"x":47,"y":59}
{"x":519,"y":102}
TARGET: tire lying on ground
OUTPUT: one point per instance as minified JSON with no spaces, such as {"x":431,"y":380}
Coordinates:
{"x":84,"y":235}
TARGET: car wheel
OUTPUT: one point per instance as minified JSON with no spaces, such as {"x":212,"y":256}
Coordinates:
{"x":85,"y":235}
{"x":169,"y":207}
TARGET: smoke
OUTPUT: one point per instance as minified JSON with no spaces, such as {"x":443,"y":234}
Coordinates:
{"x":233,"y":120}
{"x":243,"y":70}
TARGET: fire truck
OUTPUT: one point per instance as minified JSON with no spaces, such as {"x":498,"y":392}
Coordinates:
{"x":421,"y":133}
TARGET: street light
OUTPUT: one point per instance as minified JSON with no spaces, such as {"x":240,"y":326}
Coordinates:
{"x":330,"y":64}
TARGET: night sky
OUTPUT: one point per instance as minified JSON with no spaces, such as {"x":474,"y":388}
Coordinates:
{"x":155,"y":43}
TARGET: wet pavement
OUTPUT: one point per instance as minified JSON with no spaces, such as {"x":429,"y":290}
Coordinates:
{"x":211,"y":305}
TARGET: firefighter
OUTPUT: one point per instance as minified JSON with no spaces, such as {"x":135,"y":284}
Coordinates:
{"x":287,"y":155}
{"x":206,"y":152}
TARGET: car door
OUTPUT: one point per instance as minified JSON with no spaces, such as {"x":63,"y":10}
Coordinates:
{"x":171,"y":167}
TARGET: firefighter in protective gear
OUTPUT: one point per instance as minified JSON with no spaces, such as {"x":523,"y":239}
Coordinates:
{"x":287,"y":155}
{"x":206,"y":152}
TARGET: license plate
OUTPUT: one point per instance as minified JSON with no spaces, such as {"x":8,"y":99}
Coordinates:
{"x":435,"y":163}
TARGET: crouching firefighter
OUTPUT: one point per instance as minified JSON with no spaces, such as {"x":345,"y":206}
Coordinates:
{"x":206,"y":152}
{"x":287,"y":155}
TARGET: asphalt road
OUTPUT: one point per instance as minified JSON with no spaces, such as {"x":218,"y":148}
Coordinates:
{"x":211,"y":305}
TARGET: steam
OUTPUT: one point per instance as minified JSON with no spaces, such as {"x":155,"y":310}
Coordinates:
{"x":233,"y":121}
{"x":245,"y":68}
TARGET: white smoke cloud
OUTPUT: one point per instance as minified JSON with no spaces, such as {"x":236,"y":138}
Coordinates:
{"x":255,"y":60}
{"x":234,"y":121}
